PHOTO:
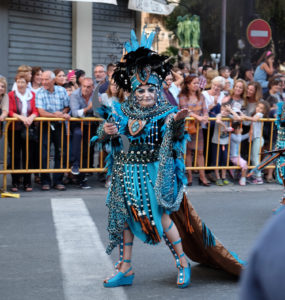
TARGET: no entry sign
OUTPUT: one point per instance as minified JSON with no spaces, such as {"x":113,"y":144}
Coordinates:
{"x":258,"y":33}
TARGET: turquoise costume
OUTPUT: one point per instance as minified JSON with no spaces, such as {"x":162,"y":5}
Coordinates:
{"x":156,"y":150}
{"x":147,"y":170}
{"x":280,"y":143}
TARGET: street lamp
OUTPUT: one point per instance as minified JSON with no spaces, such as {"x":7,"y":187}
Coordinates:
{"x":157,"y":31}
{"x":216,"y":57}
{"x":241,"y":46}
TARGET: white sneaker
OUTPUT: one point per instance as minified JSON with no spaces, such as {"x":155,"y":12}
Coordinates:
{"x":242,"y":181}
{"x":259,"y":180}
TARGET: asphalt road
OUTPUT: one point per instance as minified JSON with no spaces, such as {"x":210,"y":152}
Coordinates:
{"x":52,"y":245}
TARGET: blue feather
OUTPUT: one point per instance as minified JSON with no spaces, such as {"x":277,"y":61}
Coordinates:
{"x":208,"y":237}
{"x":93,"y":139}
{"x":128,"y":47}
{"x":104,"y":111}
{"x":134,"y":41}
{"x":237,"y":258}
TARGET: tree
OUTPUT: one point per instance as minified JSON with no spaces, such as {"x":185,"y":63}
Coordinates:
{"x":237,"y":21}
{"x":274,"y":13}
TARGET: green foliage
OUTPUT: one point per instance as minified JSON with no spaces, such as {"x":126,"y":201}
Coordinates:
{"x":238,"y":17}
{"x":209,"y":13}
{"x":274,"y":13}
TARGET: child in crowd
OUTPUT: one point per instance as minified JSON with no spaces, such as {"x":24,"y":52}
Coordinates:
{"x":225,"y":72}
{"x":257,"y":137}
{"x":69,"y":87}
{"x":236,"y":138}
{"x":220,"y":141}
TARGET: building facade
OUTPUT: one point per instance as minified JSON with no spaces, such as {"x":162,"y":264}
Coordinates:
{"x":62,"y":34}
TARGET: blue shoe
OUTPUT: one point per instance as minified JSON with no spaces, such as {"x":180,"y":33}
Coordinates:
{"x":184,"y":277}
{"x":184,"y":274}
{"x":119,"y":279}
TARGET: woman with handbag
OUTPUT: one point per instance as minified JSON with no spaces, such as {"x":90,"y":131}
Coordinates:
{"x":190,"y":97}
{"x":22,"y":106}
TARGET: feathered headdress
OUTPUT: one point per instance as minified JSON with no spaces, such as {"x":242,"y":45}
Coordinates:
{"x":141,"y":65}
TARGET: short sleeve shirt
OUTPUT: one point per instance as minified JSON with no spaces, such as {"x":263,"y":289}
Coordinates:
{"x":52,"y":102}
{"x":224,"y":135}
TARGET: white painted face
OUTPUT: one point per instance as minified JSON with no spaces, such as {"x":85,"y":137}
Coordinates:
{"x":146,"y":95}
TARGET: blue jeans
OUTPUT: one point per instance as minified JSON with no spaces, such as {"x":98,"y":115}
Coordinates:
{"x":256,"y":146}
{"x":223,"y":155}
{"x":77,"y":136}
{"x":55,"y":139}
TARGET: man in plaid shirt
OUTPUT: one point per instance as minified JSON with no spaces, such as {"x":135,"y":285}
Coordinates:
{"x":52,"y":101}
{"x":202,"y":77}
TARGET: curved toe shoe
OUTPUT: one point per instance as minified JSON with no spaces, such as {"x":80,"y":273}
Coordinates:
{"x":184,"y":277}
{"x":119,"y":279}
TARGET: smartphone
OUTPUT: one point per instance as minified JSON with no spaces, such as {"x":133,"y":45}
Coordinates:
{"x":70,"y":74}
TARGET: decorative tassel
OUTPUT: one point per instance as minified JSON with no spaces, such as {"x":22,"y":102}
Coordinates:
{"x":147,"y":223}
{"x":189,"y":227}
{"x":157,"y":237}
{"x":208,"y":237}
{"x":134,"y":212}
{"x":144,"y":228}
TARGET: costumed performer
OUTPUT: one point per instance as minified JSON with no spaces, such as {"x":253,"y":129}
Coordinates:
{"x":147,"y":171}
{"x":280,"y":144}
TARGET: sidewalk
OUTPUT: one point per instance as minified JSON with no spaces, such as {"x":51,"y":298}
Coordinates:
{"x":235,"y":188}
{"x":98,"y":187}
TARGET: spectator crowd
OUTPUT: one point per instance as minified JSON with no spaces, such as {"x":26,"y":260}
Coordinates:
{"x":242,"y":95}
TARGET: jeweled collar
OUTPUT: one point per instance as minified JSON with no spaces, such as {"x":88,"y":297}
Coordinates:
{"x":144,"y":113}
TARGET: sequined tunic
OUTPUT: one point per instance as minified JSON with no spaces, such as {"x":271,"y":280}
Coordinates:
{"x":147,"y":180}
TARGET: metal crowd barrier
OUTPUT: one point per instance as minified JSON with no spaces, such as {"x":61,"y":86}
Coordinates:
{"x":228,"y":165}
{"x":65,"y":168}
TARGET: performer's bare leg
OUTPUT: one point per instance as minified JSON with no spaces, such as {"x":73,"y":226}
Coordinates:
{"x":128,"y":238}
{"x":173,"y":236}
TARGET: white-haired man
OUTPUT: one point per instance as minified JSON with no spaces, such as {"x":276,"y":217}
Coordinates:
{"x":52,"y":101}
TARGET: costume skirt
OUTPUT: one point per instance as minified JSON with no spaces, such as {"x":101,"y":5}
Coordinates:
{"x":139,"y":183}
{"x":199,"y":243}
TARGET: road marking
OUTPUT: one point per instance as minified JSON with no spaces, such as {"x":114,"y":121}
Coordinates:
{"x":259,"y":33}
{"x":84,"y":262}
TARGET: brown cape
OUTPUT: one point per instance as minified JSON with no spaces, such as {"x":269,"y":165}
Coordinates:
{"x":191,"y":230}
